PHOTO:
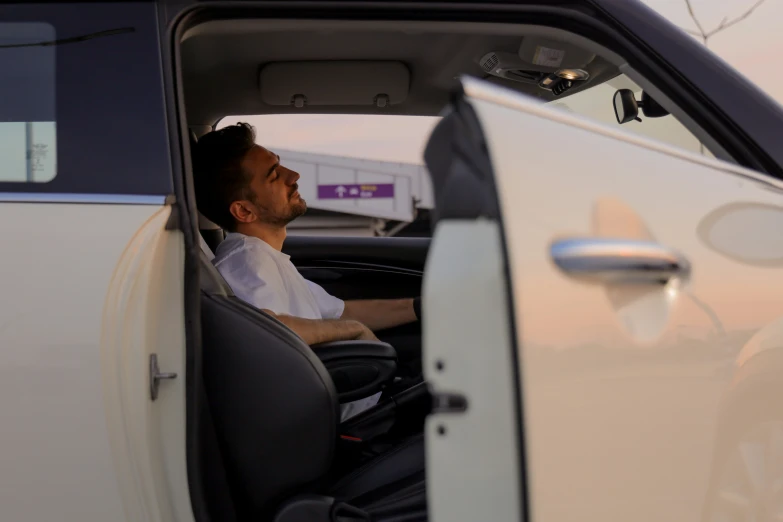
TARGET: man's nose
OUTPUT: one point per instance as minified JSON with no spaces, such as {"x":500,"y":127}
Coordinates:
{"x":293,"y":176}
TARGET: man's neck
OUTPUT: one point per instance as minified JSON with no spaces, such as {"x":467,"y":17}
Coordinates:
{"x":273,"y":236}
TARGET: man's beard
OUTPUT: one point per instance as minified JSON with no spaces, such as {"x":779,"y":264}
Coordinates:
{"x":295,"y":209}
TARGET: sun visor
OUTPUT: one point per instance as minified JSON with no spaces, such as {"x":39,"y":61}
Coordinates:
{"x":308,"y":84}
{"x":548,"y":55}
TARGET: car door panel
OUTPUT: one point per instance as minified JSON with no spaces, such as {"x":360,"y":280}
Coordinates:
{"x":368,"y":268}
{"x":361,"y":281}
{"x":407,"y":252}
{"x":628,"y":384}
{"x":143,"y":320}
{"x":361,"y":268}
{"x":81,"y":434}
{"x":95,"y":280}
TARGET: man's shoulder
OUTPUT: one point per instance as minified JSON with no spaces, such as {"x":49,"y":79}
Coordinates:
{"x":239,"y":248}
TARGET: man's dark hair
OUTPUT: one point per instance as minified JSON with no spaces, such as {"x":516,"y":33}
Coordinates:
{"x":218,"y":174}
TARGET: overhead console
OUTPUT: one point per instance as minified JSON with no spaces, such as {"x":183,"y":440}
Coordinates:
{"x":551,"y":64}
{"x":334,"y":83}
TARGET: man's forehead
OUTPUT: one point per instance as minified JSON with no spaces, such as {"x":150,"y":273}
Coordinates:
{"x":263,"y":151}
{"x":262,"y":157}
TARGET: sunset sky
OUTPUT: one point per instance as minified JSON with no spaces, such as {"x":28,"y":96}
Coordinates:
{"x":753,"y":47}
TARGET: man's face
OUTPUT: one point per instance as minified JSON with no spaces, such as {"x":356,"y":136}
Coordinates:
{"x":275,"y":199}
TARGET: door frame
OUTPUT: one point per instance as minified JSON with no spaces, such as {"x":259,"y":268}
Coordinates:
{"x":600,"y":26}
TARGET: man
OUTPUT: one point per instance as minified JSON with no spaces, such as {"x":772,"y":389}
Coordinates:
{"x":242,"y":187}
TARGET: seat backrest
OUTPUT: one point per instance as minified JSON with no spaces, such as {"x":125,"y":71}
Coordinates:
{"x":274,"y":406}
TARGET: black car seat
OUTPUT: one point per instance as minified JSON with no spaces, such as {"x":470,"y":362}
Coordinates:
{"x":276,"y":419}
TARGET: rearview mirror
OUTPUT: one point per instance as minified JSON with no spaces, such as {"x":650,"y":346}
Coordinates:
{"x":745,"y":232}
{"x":625,"y":107}
{"x":651,"y":108}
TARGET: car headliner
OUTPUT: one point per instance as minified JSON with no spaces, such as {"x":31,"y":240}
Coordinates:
{"x":222,"y":59}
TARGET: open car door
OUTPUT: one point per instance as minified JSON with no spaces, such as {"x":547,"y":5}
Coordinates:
{"x":644,"y":313}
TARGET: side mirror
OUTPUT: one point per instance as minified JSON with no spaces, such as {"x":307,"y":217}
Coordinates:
{"x":625,"y":107}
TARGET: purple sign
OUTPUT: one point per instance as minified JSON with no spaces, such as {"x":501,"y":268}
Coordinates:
{"x":356,"y":191}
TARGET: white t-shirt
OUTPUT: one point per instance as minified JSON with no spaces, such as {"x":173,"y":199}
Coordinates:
{"x":266,"y":278}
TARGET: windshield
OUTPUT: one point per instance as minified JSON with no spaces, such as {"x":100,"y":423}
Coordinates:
{"x":597,"y":103}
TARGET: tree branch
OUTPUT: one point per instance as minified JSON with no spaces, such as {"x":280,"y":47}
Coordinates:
{"x":725,"y":25}
{"x":695,"y":19}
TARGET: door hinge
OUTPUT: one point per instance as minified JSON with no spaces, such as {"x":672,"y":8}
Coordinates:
{"x":156,"y":376}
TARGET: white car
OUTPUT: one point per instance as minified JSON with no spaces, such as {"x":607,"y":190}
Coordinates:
{"x":602,"y":291}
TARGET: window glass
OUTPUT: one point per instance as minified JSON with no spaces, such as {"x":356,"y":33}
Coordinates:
{"x":597,"y":103}
{"x":81,"y":100}
{"x":361,"y":175}
{"x":28,"y":145}
{"x":28,"y":151}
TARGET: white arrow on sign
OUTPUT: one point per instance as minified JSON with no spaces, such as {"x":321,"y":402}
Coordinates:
{"x":340,"y":191}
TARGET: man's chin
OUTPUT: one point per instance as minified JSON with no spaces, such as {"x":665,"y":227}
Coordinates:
{"x":298,"y":208}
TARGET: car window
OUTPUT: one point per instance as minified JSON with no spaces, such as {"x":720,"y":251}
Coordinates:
{"x":27,"y":121}
{"x":361,"y":175}
{"x":597,"y":103}
{"x":81,"y":101}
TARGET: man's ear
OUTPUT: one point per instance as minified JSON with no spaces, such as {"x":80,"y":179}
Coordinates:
{"x":242,"y":211}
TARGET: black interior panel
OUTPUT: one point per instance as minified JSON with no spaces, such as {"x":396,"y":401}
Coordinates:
{"x":351,"y":282}
{"x":361,"y":267}
{"x":399,"y":252}
{"x":368,"y":268}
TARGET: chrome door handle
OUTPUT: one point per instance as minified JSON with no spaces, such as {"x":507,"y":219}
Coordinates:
{"x":619,"y":261}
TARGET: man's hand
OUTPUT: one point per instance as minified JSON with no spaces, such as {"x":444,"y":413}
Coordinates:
{"x":366,"y":334}
{"x":317,"y":331}
{"x":379,"y":314}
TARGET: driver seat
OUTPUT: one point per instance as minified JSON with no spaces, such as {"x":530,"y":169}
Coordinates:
{"x":275,"y":416}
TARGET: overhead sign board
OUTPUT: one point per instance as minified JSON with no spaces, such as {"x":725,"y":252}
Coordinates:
{"x":356,"y":191}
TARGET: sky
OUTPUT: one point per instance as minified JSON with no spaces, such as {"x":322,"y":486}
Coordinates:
{"x":753,"y":47}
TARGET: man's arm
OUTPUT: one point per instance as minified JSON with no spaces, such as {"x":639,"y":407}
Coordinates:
{"x":316,"y":331}
{"x":379,"y":314}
